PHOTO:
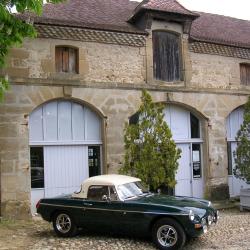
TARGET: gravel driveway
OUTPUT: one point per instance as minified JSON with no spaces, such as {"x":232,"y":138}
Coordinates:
{"x":232,"y":232}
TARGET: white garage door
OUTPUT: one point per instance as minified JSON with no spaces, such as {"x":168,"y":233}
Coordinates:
{"x":65,"y":167}
{"x":234,"y":121}
{"x":185,"y":128}
{"x":62,"y":136}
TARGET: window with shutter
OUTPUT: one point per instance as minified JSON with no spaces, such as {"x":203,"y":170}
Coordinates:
{"x":66,"y":59}
{"x":166,"y":56}
{"x":245,"y":74}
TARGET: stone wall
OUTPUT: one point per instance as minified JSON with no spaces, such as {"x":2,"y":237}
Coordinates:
{"x":110,"y":79}
{"x":213,"y":71}
{"x":123,"y":65}
{"x":97,"y":62}
{"x":116,"y":105}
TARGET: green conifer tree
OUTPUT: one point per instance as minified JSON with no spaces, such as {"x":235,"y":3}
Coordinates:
{"x":242,"y":153}
{"x":150,"y":152}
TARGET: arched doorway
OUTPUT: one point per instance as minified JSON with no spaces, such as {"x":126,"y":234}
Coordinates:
{"x":234,"y":121}
{"x":65,"y":148}
{"x":186,"y":130}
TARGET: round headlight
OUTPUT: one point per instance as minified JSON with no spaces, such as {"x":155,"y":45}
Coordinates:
{"x":191,"y":215}
{"x":209,"y":220}
{"x":217,"y":214}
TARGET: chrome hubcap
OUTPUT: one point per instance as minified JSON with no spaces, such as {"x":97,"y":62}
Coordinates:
{"x":167,"y":236}
{"x":63,"y":223}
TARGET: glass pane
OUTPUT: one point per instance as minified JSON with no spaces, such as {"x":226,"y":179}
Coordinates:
{"x":196,"y":158}
{"x":36,"y":125}
{"x":94,"y":161}
{"x":195,"y":126}
{"x":113,"y":194}
{"x":134,"y":119}
{"x":93,"y":123}
{"x":78,"y":122}
{"x":37,"y":167}
{"x":96,"y":192}
{"x":64,"y":121}
{"x":50,"y":121}
{"x":229,"y":155}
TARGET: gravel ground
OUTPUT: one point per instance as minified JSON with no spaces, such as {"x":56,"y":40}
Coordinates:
{"x":231,"y":232}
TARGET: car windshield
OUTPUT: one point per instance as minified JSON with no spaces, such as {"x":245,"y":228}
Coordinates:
{"x":131,"y":190}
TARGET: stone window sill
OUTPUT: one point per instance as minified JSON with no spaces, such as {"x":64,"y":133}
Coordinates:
{"x":164,"y":83}
{"x":66,"y":76}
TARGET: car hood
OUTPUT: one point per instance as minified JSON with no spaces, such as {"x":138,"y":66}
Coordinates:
{"x":198,"y":206}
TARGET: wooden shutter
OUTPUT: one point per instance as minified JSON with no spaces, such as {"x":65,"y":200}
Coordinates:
{"x":166,"y":56}
{"x":66,"y":60}
{"x":72,"y":60}
{"x":245,"y":74}
{"x":59,"y":59}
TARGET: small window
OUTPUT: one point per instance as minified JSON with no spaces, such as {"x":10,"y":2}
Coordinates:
{"x":66,"y":60}
{"x":134,"y":119}
{"x":96,"y":193}
{"x":113,"y":194}
{"x":37,"y":167}
{"x":166,"y":56}
{"x":195,"y":126}
{"x":245,"y":74}
{"x":196,"y":158}
{"x":94,"y":160}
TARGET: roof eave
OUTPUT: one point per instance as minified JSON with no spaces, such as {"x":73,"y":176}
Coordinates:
{"x":91,"y":27}
{"x":142,"y":11}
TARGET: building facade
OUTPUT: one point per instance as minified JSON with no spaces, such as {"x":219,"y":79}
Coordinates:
{"x":75,"y":86}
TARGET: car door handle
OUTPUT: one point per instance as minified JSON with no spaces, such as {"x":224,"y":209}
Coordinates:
{"x":88,"y":204}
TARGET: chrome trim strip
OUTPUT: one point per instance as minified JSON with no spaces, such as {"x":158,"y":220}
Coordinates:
{"x":112,"y":210}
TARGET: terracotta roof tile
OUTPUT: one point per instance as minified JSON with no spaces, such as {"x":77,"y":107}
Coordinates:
{"x":97,"y":14}
{"x":221,"y":29}
{"x":112,"y":15}
{"x":171,"y":6}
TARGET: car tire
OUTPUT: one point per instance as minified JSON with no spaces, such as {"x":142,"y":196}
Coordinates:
{"x":168,"y":234}
{"x":64,"y":225}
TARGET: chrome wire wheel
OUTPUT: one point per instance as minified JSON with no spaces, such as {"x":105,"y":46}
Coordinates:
{"x":167,"y":236}
{"x":63,"y":223}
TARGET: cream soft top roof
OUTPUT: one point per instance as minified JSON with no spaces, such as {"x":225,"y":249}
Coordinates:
{"x":109,"y":179}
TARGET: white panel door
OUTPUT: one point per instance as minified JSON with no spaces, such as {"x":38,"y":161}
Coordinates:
{"x":235,"y":184}
{"x":36,"y":195}
{"x":198,"y":185}
{"x":65,"y":168}
{"x":183,"y":176}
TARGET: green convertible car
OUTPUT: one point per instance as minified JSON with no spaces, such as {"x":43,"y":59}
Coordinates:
{"x":117,"y":203}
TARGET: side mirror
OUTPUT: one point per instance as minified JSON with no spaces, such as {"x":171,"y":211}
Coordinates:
{"x":105,"y":198}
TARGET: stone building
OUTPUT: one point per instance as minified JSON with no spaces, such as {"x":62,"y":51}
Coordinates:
{"x":75,"y":85}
